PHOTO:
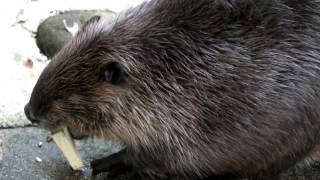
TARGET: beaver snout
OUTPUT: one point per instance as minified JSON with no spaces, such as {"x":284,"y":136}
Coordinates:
{"x":29,"y":114}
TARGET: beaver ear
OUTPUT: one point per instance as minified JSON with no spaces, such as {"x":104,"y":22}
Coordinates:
{"x":113,"y":72}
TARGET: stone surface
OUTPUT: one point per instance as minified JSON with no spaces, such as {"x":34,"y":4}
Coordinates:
{"x":21,"y":151}
{"x":52,"y":33}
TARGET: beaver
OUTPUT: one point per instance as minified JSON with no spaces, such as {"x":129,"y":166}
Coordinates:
{"x":196,"y":89}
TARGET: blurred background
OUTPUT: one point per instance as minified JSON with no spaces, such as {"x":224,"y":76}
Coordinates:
{"x":31,"y":31}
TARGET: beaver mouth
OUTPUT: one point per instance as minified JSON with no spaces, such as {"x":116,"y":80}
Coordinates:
{"x":36,"y":122}
{"x":74,"y":134}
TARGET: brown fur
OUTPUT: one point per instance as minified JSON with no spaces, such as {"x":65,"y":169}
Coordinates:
{"x":210,"y":87}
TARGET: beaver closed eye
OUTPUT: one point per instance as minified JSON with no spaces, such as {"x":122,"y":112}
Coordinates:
{"x":195,"y":89}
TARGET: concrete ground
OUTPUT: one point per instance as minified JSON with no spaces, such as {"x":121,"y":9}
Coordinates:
{"x":20,"y":152}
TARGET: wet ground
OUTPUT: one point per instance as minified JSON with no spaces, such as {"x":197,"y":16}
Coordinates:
{"x":21,"y":156}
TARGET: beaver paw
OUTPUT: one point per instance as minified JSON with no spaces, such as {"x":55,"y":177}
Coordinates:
{"x":115,"y":166}
{"x":112,"y":164}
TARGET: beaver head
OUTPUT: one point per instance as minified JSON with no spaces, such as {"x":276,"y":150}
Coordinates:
{"x":85,"y":85}
{"x":105,"y":82}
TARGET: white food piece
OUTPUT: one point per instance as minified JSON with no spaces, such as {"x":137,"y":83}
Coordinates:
{"x":66,"y":144}
{"x":40,"y":144}
{"x":38,"y":159}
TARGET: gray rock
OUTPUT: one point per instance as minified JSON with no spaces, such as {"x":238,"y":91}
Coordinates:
{"x":52,"y":33}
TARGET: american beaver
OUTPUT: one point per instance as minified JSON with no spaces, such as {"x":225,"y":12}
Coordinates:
{"x":194,"y":88}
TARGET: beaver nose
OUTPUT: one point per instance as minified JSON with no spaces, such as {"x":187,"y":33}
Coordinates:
{"x":29,"y":114}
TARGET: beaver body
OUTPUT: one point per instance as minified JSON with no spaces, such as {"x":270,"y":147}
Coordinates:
{"x":193,"y":88}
